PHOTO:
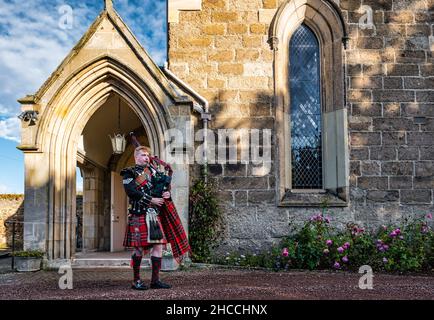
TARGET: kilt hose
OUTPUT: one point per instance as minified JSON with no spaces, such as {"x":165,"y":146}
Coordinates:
{"x":136,"y":234}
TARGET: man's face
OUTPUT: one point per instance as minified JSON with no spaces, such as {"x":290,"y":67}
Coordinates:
{"x":142,"y":158}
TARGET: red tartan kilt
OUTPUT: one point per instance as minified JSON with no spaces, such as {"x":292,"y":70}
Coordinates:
{"x":136,"y":234}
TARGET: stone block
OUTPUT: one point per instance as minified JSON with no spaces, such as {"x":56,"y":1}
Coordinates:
{"x":383,"y":196}
{"x":256,"y":197}
{"x":366,"y":83}
{"x":214,"y":29}
{"x":365,"y":138}
{"x":418,"y":109}
{"x":423,"y":182}
{"x":231,"y":68}
{"x":366,"y":109}
{"x":400,"y":182}
{"x":397,"y":168}
{"x":393,"y":95}
{"x":391,"y":109}
{"x":394,"y":124}
{"x":235,"y":183}
{"x":393,"y":138}
{"x":373,"y":183}
{"x":382,"y":153}
{"x":415,"y":196}
{"x":370,"y":168}
{"x":240,"y":198}
{"x":269,"y":4}
{"x":238,"y":169}
{"x":425,"y":96}
{"x":408,"y":153}
{"x":393,"y":83}
{"x":361,"y":153}
{"x":424,"y":168}
{"x":427,"y":153}
{"x":247,"y":55}
{"x":404,"y":70}
{"x":420,"y":138}
{"x":224,"y":16}
{"x":418,"y":83}
{"x":237,"y":28}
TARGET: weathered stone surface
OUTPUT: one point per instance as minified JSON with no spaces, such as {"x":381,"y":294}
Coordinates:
{"x":427,"y":153}
{"x":397,"y":168}
{"x":383,"y":196}
{"x":415,"y":196}
{"x":423,"y":182}
{"x":365,"y":138}
{"x":262,"y":196}
{"x":11,"y":209}
{"x":393,"y":138}
{"x":233,"y":183}
{"x":424,"y":168}
{"x":372,"y":183}
{"x":400,"y":182}
{"x":382,"y":153}
{"x":366,"y":109}
{"x":370,"y":168}
{"x":359,"y":153}
{"x":420,"y":138}
{"x":408,"y":153}
{"x":389,"y":82}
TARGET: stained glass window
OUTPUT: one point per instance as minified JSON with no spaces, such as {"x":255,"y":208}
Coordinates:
{"x":305,"y":97}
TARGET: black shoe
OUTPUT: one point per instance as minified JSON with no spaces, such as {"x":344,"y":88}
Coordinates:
{"x":160,"y":285}
{"x":139,"y":285}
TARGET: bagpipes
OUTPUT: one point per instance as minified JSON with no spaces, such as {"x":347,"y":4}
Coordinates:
{"x":161,"y":182}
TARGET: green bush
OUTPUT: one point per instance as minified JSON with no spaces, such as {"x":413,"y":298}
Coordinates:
{"x":29,"y":254}
{"x":205,"y":216}
{"x":316,"y":245}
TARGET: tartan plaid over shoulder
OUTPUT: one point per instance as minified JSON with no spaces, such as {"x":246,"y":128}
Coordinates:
{"x":173,"y":230}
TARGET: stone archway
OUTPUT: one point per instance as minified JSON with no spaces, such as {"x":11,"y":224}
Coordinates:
{"x":60,"y":129}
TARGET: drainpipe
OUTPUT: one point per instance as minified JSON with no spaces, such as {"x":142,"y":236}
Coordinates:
{"x":204,"y":113}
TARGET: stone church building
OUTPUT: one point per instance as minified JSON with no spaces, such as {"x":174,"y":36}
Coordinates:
{"x":343,"y":89}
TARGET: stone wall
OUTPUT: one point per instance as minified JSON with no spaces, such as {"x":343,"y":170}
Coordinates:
{"x":11,"y":209}
{"x":222,"y":52}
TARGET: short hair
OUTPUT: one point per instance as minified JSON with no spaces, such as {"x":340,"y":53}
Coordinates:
{"x":140,"y":148}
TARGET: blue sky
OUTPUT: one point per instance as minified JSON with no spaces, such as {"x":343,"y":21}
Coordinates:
{"x":35,"y":36}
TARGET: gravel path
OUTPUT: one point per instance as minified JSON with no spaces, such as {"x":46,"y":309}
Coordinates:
{"x":222,"y":284}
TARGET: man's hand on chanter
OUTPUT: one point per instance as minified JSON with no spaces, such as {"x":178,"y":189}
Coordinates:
{"x":157,"y":201}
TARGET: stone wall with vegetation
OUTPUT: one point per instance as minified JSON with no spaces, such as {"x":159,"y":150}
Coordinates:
{"x":222,"y":52}
{"x":11,"y":209}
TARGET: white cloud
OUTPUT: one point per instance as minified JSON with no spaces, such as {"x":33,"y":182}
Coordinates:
{"x":10,"y":129}
{"x":32,"y":44}
{"x":3,"y":189}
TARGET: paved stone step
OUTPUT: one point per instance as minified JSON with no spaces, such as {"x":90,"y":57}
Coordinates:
{"x":105,"y":262}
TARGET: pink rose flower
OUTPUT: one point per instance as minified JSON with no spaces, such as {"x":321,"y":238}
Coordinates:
{"x":336,"y":265}
{"x":345,"y":259}
{"x":329,"y":242}
{"x":285,"y":252}
{"x":340,"y":249}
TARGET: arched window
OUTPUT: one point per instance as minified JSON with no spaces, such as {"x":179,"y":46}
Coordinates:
{"x":305,"y":109}
{"x":307,"y":38}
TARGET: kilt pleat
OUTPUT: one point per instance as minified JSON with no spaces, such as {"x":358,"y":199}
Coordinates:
{"x":136,"y":234}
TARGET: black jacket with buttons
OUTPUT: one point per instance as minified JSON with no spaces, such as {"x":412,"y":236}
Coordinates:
{"x":139,"y":197}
